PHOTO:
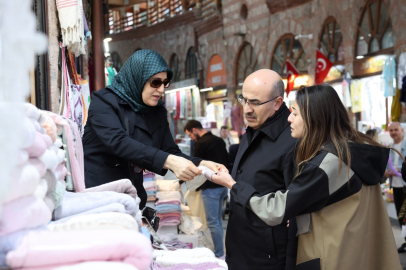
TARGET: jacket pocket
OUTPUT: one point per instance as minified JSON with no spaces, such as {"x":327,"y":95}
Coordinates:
{"x":309,"y":265}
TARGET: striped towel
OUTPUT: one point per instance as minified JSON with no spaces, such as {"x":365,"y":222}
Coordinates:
{"x":71,"y":20}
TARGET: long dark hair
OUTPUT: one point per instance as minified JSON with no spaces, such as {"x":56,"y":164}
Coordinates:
{"x":325,"y":121}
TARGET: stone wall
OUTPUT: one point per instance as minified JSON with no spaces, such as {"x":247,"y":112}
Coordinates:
{"x":263,"y":30}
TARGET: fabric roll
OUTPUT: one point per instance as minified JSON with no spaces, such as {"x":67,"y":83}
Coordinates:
{"x":182,"y":266}
{"x":151,"y":184}
{"x":102,"y":221}
{"x":76,"y":203}
{"x":165,"y":215}
{"x":195,"y":253}
{"x":61,"y":172}
{"x":11,"y":241}
{"x":49,"y":159}
{"x":171,"y":261}
{"x":39,"y":165}
{"x":47,"y":139}
{"x":168,"y":195}
{"x":168,"y":208}
{"x":167,"y":185}
{"x":24,"y":213}
{"x":121,"y":186}
{"x":110,"y":208}
{"x":29,"y":134}
{"x":177,"y":202}
{"x":24,"y":184}
{"x":53,"y":249}
{"x":98,"y":266}
{"x":37,"y":148}
{"x":22,"y":157}
{"x":41,"y":189}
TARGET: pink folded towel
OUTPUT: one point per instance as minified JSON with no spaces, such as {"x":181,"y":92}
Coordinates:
{"x":24,"y":213}
{"x":39,"y":165}
{"x":177,"y":202}
{"x":38,"y":148}
{"x":121,"y":186}
{"x":44,"y":249}
{"x":47,"y":139}
{"x":24,"y":183}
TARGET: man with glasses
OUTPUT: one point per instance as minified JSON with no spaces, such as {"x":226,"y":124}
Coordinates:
{"x":251,"y":243}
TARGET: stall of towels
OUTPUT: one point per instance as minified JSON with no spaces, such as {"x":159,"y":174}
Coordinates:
{"x":168,"y":205}
{"x":102,"y":223}
{"x":96,"y":224}
{"x":150,"y":186}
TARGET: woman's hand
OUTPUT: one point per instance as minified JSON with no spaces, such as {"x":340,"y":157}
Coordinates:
{"x":224,"y":179}
{"x":215,"y":167}
{"x":183,"y":169}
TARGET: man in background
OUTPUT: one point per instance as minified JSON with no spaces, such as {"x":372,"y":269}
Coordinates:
{"x":225,"y":135}
{"x":396,"y":182}
{"x":211,"y":148}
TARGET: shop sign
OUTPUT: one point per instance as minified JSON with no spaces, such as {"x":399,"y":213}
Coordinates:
{"x":369,"y":65}
{"x":181,"y":84}
{"x":216,"y":94}
{"x":216,"y":72}
{"x":336,"y":72}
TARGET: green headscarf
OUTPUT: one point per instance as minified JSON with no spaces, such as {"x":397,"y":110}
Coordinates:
{"x":129,"y":82}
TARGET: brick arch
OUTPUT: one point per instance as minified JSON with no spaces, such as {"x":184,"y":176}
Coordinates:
{"x":293,"y":27}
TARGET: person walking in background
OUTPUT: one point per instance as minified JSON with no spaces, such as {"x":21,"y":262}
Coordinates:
{"x":225,"y":135}
{"x":213,"y":148}
{"x":396,"y":182}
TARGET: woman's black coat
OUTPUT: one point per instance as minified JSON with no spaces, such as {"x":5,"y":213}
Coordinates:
{"x":108,"y":150}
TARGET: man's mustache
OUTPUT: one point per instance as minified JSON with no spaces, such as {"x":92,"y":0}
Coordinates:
{"x":251,"y":115}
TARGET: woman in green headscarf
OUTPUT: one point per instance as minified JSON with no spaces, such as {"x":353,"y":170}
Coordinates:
{"x":127,"y":129}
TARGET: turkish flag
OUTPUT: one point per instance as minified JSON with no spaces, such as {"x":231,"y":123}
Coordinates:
{"x":293,"y":73}
{"x":323,"y":66}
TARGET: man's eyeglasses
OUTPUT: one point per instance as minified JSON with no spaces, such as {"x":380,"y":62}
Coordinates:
{"x":156,"y":83}
{"x":243,"y":101}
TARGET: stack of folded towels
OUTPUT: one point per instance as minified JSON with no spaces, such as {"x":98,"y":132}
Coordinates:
{"x":96,"y":224}
{"x":150,"y":186}
{"x":37,"y":185}
{"x":168,"y":204}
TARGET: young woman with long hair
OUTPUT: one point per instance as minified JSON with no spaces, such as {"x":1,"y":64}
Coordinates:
{"x":334,"y":192}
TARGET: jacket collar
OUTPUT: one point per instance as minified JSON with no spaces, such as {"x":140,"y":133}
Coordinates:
{"x":141,"y":120}
{"x":274,"y":125}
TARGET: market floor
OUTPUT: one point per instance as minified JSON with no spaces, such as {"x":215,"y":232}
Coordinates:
{"x":396,"y":232}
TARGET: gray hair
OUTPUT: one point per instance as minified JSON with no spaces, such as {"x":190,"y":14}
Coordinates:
{"x":278,"y":89}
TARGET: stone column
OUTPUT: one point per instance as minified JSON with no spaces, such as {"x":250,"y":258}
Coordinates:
{"x":97,"y":42}
{"x":53,"y":54}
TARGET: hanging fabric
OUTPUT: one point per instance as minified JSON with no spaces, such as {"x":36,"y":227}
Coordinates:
{"x":389,"y":77}
{"x":396,"y":109}
{"x":356,"y":96}
{"x":70,"y":13}
{"x":401,"y":69}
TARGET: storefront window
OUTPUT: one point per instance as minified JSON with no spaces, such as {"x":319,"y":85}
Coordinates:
{"x":331,"y":42}
{"x":288,"y":48}
{"x":191,"y":64}
{"x":174,"y":66}
{"x":375,"y":31}
{"x":247,"y":63}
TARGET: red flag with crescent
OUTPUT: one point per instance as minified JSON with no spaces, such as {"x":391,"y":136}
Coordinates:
{"x":292,"y":73}
{"x":323,"y":66}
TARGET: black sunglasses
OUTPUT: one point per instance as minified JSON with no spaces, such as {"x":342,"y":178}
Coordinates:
{"x":156,"y":83}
